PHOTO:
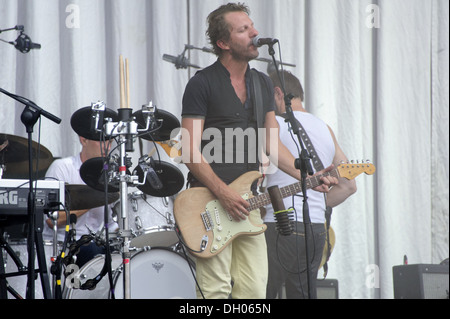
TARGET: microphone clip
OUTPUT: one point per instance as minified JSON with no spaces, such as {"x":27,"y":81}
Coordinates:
{"x":24,"y":44}
{"x":98,"y":111}
{"x":284,"y":221}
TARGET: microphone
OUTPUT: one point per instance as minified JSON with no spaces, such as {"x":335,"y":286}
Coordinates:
{"x":181,"y":62}
{"x":283,"y":217}
{"x":259,"y":42}
{"x":24,"y":44}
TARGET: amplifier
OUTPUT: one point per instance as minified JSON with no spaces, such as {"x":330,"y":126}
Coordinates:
{"x":421,"y":281}
{"x":327,"y":289}
{"x":14,"y":196}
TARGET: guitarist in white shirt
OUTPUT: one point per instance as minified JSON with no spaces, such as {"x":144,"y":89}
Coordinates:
{"x":284,"y":252}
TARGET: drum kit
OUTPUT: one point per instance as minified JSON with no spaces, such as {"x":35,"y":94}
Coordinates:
{"x":144,"y":258}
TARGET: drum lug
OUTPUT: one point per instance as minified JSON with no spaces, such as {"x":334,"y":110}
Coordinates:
{"x":125,"y":233}
{"x":138,"y":222}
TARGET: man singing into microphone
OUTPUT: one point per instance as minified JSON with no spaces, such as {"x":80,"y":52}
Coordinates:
{"x":220,"y":97}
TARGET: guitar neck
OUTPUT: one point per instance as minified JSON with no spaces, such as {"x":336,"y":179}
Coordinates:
{"x":286,"y":191}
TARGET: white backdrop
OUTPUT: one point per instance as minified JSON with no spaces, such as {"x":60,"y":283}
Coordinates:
{"x":376,"y":71}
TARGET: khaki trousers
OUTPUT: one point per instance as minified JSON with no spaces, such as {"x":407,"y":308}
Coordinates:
{"x":239,"y":271}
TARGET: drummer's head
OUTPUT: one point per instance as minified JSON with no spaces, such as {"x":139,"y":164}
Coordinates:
{"x":91,"y":148}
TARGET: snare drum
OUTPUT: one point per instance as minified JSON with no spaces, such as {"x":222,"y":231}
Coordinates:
{"x":155,"y":274}
{"x":150,"y":219}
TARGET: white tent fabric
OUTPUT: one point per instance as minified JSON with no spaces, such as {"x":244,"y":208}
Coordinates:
{"x":376,"y":71}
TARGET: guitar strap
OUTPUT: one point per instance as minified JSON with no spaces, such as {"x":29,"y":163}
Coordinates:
{"x":318,"y":165}
{"x":257,"y":101}
{"x":257,"y":98}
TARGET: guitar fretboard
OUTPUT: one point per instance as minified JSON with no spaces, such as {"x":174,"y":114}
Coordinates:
{"x":286,"y":191}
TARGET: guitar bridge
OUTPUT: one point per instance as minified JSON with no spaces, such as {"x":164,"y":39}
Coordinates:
{"x":207,"y":220}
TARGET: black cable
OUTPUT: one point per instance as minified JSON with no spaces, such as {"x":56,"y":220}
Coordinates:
{"x":192,"y":270}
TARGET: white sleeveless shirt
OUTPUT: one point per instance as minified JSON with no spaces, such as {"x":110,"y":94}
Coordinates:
{"x":322,"y":140}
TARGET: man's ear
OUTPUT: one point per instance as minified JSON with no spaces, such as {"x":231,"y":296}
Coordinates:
{"x":83,"y":140}
{"x":279,"y":92}
{"x":222,"y":44}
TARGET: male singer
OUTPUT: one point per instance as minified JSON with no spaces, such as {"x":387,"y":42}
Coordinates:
{"x":220,"y":97}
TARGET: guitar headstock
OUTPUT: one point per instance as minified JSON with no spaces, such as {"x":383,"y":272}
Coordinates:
{"x":350,"y":170}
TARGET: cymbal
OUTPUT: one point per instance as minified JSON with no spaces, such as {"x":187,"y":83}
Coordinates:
{"x":81,"y":122}
{"x":91,"y":173}
{"x":84,"y":197}
{"x":14,"y":155}
{"x":167,"y":121}
{"x":170,"y":176}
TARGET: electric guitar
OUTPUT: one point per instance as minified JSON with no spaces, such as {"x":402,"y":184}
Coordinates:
{"x":207,"y":228}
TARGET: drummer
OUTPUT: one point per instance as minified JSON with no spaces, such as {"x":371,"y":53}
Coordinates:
{"x":68,"y":170}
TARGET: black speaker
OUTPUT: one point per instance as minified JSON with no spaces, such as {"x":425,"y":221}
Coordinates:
{"x":420,"y":281}
{"x":327,"y":289}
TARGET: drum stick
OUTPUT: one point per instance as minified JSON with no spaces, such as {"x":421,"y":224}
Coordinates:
{"x":122,"y":83}
{"x":128,"y":82}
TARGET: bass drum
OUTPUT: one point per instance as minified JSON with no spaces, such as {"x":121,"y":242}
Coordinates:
{"x":155,"y":274}
{"x":158,"y":274}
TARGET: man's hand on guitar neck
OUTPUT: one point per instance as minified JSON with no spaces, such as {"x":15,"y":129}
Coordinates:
{"x":328,"y":181}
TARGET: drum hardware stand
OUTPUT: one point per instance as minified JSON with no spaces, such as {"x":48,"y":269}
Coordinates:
{"x":54,"y":218}
{"x":127,"y":128}
{"x":22,"y":270}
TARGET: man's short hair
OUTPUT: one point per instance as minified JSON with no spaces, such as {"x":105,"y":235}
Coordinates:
{"x":218,"y":28}
{"x":292,"y":83}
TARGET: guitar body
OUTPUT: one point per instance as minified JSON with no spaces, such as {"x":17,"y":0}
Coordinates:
{"x":205,"y":226}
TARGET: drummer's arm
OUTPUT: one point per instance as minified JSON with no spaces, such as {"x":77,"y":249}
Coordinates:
{"x":61,"y":222}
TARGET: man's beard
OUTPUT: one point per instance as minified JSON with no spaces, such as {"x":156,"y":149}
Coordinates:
{"x":245,"y":56}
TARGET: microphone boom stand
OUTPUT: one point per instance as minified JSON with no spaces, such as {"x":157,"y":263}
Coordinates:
{"x":29,"y":117}
{"x":303,"y":164}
